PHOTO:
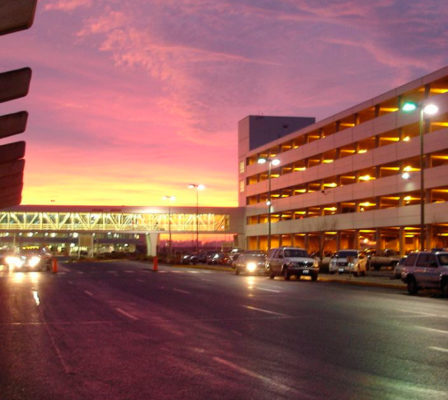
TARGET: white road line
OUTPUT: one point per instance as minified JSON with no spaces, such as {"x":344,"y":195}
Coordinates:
{"x":432,"y":330}
{"x":126,"y":314}
{"x":268,"y":290}
{"x":88,"y":293}
{"x":181,"y":291}
{"x":438,"y":349}
{"x":265,"y":311}
{"x":424,"y":314}
{"x":129,"y":272}
{"x":253,"y":374}
{"x":36,"y":297}
{"x":140,"y":280}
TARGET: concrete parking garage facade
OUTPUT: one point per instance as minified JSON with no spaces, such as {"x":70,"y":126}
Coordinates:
{"x":340,"y":181}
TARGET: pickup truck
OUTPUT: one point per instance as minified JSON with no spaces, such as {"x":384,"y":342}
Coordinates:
{"x":376,"y":259}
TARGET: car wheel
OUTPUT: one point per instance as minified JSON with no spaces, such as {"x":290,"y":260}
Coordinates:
{"x":286,"y":274}
{"x":412,"y":285}
{"x":314,"y":277}
{"x":445,"y":287}
{"x":355,"y":273}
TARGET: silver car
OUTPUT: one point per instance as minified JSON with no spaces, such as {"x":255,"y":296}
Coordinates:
{"x":351,"y":261}
{"x":426,"y":269}
{"x":287,"y":261}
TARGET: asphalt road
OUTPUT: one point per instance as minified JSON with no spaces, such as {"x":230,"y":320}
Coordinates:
{"x":120,"y":331}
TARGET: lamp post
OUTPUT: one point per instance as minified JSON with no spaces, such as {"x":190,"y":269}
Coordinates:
{"x":271,"y":162}
{"x":169,"y":199}
{"x":423,"y":109}
{"x":197,"y":187}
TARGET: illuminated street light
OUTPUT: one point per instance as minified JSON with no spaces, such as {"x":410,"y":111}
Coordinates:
{"x":169,"y":199}
{"x":271,"y":162}
{"x":197,"y":187}
{"x":424,"y":109}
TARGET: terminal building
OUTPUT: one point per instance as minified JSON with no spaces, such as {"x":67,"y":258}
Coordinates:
{"x":353,"y":180}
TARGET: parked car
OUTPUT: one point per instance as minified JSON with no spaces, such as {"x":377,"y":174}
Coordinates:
{"x":399,"y":268}
{"x":251,"y":262}
{"x":376,"y":259}
{"x":351,"y":261}
{"x":287,"y":261}
{"x":426,"y":269}
{"x":189,"y":259}
{"x":217,"y":258}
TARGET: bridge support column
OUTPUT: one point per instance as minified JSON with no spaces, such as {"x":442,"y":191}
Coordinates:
{"x":152,"y":239}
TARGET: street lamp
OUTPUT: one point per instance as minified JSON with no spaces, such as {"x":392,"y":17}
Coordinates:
{"x":271,"y":162}
{"x":424,"y":109}
{"x":197,"y":187}
{"x":170,"y":199}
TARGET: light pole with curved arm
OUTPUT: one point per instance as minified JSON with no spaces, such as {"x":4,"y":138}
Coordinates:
{"x":428,"y":109}
{"x":197,"y":187}
{"x":271,"y":162}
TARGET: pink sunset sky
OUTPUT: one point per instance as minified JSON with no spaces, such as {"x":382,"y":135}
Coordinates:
{"x":132,"y":100}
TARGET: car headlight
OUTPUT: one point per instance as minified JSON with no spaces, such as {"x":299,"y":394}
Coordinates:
{"x":251,"y":266}
{"x":14,"y":261}
{"x":34,"y":261}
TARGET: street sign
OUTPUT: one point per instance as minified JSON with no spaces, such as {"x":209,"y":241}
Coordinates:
{"x":14,"y":84}
{"x":12,"y":151}
{"x":12,"y":124}
{"x":16,"y":15}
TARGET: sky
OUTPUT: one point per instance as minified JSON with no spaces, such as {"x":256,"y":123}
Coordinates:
{"x":132,"y":100}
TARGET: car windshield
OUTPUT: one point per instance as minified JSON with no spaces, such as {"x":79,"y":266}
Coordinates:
{"x":253,"y":255}
{"x":443,"y":259}
{"x":345,"y":254}
{"x":295,"y":253}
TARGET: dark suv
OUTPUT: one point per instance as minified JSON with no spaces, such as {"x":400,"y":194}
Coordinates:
{"x":289,"y":261}
{"x":426,"y":269}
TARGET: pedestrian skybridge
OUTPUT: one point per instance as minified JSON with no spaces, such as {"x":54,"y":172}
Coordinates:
{"x":151,"y":221}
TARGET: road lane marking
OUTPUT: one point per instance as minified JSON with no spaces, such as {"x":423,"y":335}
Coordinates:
{"x":260,"y":377}
{"x":265,"y":311}
{"x":36,"y":297}
{"x":181,"y":291}
{"x":424,"y":314}
{"x":432,"y":330}
{"x":126,"y":314}
{"x":88,"y":293}
{"x":140,"y":280}
{"x":438,"y":349}
{"x":268,"y":290}
{"x":129,"y":272}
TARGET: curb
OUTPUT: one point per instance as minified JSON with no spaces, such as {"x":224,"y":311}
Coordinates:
{"x":364,"y":283}
{"x":320,"y":279}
